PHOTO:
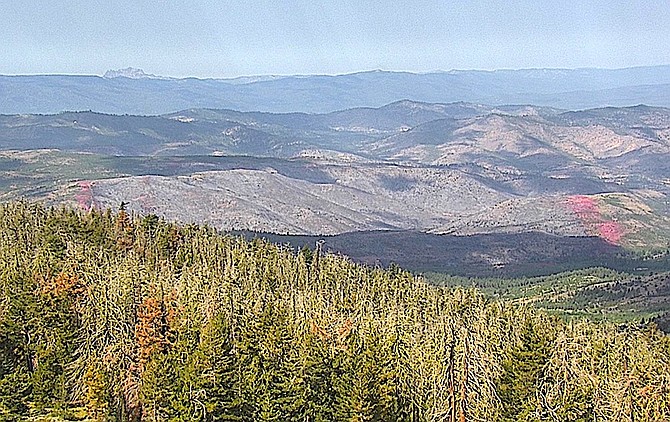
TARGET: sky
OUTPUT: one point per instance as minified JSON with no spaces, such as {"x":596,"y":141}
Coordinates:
{"x":232,"y":38}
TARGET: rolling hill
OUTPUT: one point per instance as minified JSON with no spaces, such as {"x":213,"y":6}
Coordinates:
{"x":457,"y":169}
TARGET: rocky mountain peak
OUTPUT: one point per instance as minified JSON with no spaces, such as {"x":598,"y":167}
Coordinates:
{"x":130,"y":73}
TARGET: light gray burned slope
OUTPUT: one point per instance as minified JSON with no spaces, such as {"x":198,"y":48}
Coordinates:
{"x":360,"y":197}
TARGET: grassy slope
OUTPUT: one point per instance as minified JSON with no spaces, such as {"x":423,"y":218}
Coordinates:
{"x":596,"y":293}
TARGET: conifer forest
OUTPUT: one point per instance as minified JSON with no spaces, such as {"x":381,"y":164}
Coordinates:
{"x":106,"y":316}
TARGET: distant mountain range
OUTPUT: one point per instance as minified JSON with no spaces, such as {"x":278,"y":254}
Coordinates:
{"x":131,"y":91}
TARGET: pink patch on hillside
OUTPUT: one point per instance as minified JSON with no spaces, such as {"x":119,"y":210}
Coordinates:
{"x":584,"y":206}
{"x":588,"y":212}
{"x":611,"y":231}
{"x":85,"y":195}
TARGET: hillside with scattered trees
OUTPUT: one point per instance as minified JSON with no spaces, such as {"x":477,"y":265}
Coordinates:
{"x":110,"y":317}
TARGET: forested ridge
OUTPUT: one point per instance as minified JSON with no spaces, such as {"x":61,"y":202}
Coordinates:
{"x":105,"y":316}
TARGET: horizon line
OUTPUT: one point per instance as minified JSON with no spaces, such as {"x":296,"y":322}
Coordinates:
{"x":305,"y":75}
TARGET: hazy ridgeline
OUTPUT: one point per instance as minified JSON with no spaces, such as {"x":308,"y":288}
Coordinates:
{"x":108,"y":317}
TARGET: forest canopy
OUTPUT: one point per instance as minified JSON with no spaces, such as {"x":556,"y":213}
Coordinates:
{"x":111,"y":317}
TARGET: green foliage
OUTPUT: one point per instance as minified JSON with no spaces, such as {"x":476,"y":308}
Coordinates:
{"x":523,"y":369}
{"x":367,"y":379}
{"x":216,"y":366}
{"x":14,"y":391}
{"x":137,"y":319}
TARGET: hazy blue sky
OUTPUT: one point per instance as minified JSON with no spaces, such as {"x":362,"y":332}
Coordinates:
{"x":231,"y":38}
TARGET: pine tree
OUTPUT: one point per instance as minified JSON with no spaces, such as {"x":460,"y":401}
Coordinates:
{"x":215,"y":362}
{"x":523,"y":368}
